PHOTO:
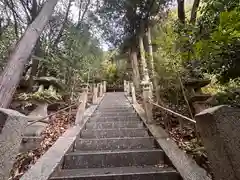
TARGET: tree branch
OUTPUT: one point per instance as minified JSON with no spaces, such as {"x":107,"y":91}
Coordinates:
{"x":194,"y":11}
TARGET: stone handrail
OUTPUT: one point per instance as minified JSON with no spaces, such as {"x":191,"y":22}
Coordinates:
{"x":51,"y":160}
{"x":11,"y":136}
{"x":97,"y":91}
{"x":219,"y":131}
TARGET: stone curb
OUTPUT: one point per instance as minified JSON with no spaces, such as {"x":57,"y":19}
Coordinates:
{"x":185,"y":165}
{"x":51,"y":160}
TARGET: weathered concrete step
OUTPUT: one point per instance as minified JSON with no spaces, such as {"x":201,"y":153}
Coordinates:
{"x":120,"y":114}
{"x":116,"y":113}
{"x":114,"y":133}
{"x":108,"y":104}
{"x":112,"y":125}
{"x":127,"y":109}
{"x":120,"y":108}
{"x":114,"y":144}
{"x":104,"y":159}
{"x":121,"y":173}
{"x":114,"y":118}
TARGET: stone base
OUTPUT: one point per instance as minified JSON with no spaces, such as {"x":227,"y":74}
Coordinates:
{"x":30,"y":143}
{"x":35,"y":129}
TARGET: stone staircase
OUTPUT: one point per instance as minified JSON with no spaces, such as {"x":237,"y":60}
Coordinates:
{"x":115,"y":145}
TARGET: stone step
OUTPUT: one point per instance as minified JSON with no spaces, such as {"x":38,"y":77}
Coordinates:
{"x":114,"y":113}
{"x":114,"y":133}
{"x":114,"y":144}
{"x":108,"y":105}
{"x":105,"y":159}
{"x":129,"y":109}
{"x":121,"y":173}
{"x":114,"y":118}
{"x":112,"y":125}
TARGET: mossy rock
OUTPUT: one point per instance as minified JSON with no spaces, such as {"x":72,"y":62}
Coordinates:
{"x":45,"y":96}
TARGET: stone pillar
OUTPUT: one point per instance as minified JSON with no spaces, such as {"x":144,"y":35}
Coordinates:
{"x":95,"y":94}
{"x":91,"y":86}
{"x":81,"y":108}
{"x":151,"y":87}
{"x":147,"y":96}
{"x":124,"y":85}
{"x":10,"y":139}
{"x":100,"y":89}
{"x":104,"y":86}
{"x":134,"y":100}
{"x":127,"y":88}
{"x":219,"y":128}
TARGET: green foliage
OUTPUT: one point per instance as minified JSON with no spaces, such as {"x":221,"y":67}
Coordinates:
{"x":220,"y":52}
{"x":120,"y":20}
{"x":44,"y":96}
{"x":77,"y":58}
{"x":113,"y":71}
{"x":209,"y":48}
{"x":6,"y":40}
{"x":228,"y":93}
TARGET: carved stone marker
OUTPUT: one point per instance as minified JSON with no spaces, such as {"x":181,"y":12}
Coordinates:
{"x":220,"y":131}
{"x":10,"y":139}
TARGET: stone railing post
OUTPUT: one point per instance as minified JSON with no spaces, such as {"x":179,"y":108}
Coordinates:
{"x":151,"y":87}
{"x":100,"y":89}
{"x":124,"y":85}
{"x":127,"y":88}
{"x":95,"y":94}
{"x":10,"y":139}
{"x":219,"y":128}
{"x":134,"y":100}
{"x":147,"y":96}
{"x":81,"y":108}
{"x":91,"y":88}
{"x":104,"y":86}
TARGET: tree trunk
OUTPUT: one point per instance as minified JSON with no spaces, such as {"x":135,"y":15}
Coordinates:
{"x":143,"y":59}
{"x":35,"y":63}
{"x":181,"y":11}
{"x":134,"y":62}
{"x":151,"y":60}
{"x":194,"y":11}
{"x":150,"y":55}
{"x":10,"y":78}
{"x":81,"y":15}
